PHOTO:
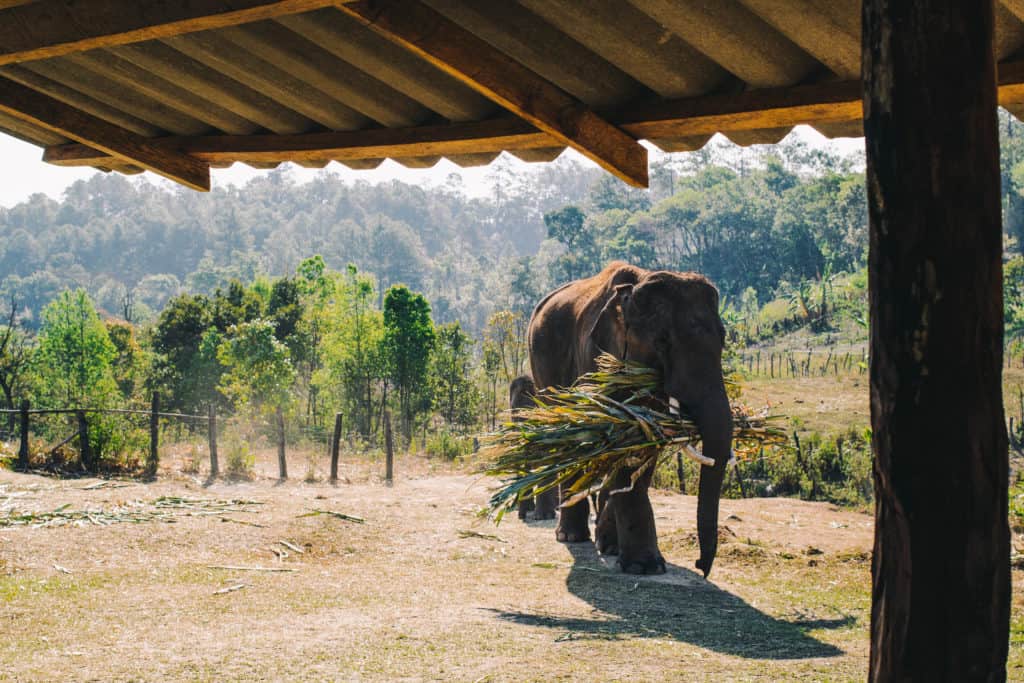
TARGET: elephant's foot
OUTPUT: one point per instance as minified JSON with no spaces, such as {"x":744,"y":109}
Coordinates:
{"x":574,"y":536}
{"x":574,"y":523}
{"x":646,"y":562}
{"x":525,"y":507}
{"x":606,"y":544}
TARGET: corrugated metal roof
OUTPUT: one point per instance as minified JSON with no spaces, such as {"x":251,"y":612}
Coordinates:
{"x":312,"y":69}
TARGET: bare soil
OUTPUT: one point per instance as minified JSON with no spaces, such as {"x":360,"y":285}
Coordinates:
{"x":423,"y":590}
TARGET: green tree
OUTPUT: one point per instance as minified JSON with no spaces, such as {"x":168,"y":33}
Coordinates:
{"x":408,"y":341}
{"x":353,"y":355}
{"x":451,"y":365}
{"x":260,"y":373}
{"x":74,"y":362}
{"x":187,"y":372}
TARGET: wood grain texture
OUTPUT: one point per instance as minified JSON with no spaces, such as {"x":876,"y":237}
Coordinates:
{"x":26,"y":104}
{"x":941,"y":561}
{"x":377,"y":143}
{"x":51,"y":28}
{"x":505,"y":81}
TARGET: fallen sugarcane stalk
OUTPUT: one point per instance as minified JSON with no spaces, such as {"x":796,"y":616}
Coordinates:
{"x":251,"y":569}
{"x":332,"y":513}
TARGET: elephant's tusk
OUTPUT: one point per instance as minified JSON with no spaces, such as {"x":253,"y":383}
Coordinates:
{"x":673,"y":405}
{"x":693,"y":454}
{"x":732,"y":459}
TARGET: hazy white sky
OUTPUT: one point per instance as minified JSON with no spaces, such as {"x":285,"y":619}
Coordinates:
{"x":22,"y":172}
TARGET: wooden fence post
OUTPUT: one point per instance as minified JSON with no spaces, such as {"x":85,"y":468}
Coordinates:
{"x":389,"y":449}
{"x":680,"y":472}
{"x":23,"y":449}
{"x":154,"y":437}
{"x":335,"y":447}
{"x":85,"y":448}
{"x":214,"y":465}
{"x":282,"y":464}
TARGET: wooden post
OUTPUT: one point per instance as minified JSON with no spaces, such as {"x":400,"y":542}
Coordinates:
{"x":85,"y":448}
{"x":941,"y":563}
{"x":389,"y":449}
{"x":282,"y":463}
{"x":335,"y":447}
{"x":680,"y":472}
{"x":23,"y":456}
{"x":154,"y":436}
{"x":214,"y":465}
{"x":739,"y":479}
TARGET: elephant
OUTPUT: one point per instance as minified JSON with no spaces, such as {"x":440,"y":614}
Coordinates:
{"x":520,"y":395}
{"x":665,"y":320}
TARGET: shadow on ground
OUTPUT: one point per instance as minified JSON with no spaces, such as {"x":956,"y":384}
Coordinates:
{"x":678,"y":605}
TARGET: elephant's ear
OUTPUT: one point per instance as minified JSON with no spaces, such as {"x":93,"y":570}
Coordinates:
{"x":608,"y":333}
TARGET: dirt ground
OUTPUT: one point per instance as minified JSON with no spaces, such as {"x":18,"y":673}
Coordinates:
{"x":422,"y":590}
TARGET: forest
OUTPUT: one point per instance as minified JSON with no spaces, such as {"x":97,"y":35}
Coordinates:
{"x":328,"y":297}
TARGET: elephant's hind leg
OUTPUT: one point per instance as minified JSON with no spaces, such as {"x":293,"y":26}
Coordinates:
{"x":546,"y":505}
{"x":606,"y":534}
{"x":573,"y":522}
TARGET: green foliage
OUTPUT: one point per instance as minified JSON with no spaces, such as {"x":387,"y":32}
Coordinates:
{"x":455,"y":396}
{"x":408,"y":341}
{"x":260,"y":372}
{"x":448,"y":445}
{"x":75,"y":356}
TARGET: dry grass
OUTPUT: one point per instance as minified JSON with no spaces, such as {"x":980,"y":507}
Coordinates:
{"x":410,"y":595}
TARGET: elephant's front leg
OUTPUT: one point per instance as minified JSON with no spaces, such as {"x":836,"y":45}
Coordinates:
{"x":574,"y":521}
{"x":606,"y":533}
{"x":634,"y":522}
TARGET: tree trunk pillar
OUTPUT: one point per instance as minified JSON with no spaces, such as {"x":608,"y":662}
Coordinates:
{"x":941,"y":575}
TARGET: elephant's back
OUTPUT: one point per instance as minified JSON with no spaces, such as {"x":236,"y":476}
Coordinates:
{"x":562,"y":320}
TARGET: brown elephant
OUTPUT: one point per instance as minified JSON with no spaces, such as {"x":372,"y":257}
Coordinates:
{"x":665,"y":320}
{"x":520,"y":395}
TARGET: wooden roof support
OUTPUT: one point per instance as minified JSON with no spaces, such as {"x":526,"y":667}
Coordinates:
{"x":376,"y":143}
{"x":941,"y":595}
{"x":51,"y":28}
{"x":751,"y":110}
{"x":30,"y":106}
{"x":500,"y":78}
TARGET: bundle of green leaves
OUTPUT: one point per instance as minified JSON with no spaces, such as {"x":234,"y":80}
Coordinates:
{"x":613,"y":419}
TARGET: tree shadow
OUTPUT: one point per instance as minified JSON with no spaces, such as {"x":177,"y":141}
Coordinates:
{"x":678,"y":605}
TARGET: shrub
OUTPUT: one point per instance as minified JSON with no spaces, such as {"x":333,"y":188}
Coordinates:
{"x":447,"y":445}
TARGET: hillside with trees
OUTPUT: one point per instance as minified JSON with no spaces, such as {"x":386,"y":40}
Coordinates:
{"x":324,"y":297}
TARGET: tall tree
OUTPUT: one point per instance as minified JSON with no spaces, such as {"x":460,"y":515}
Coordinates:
{"x":74,"y":362}
{"x":451,"y":366}
{"x":408,"y":341}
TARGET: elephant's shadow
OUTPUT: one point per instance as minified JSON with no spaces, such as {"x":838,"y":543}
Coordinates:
{"x":679,"y":605}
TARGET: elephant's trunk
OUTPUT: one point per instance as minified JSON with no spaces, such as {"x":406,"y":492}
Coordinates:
{"x":714,"y":419}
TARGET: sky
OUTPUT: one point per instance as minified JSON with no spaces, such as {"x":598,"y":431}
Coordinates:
{"x":22,"y":171}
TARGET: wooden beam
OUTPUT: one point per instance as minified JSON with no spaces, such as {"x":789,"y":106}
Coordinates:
{"x":377,"y":143}
{"x":691,"y":119}
{"x":30,"y":106}
{"x":51,"y":28}
{"x":495,"y":75}
{"x":941,"y":591}
{"x":751,"y":110}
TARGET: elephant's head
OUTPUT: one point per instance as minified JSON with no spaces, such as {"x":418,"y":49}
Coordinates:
{"x":670,"y":321}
